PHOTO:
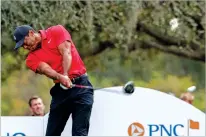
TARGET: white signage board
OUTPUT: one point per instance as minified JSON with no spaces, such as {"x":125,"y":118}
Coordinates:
{"x":22,"y":126}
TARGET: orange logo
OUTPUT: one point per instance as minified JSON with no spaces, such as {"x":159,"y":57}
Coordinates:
{"x":136,"y":129}
{"x":194,"y":124}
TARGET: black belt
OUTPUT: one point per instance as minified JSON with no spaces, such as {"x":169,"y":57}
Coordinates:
{"x":78,"y":78}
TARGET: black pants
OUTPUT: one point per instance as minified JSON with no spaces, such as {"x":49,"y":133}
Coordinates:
{"x":75,"y":101}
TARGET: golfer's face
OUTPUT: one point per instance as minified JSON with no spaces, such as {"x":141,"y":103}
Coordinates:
{"x":30,"y":42}
{"x":37,"y":106}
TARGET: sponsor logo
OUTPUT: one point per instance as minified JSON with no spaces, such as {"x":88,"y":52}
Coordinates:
{"x":138,"y":129}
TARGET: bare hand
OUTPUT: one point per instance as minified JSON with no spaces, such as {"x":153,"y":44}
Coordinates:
{"x":65,"y":81}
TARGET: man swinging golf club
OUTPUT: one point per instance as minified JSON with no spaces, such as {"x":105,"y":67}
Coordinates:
{"x":53,"y":53}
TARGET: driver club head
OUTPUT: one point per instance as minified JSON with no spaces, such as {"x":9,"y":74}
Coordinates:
{"x":129,"y":87}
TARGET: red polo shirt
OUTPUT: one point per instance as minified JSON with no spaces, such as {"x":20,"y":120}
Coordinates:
{"x":49,"y":53}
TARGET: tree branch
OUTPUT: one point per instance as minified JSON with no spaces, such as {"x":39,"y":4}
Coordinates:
{"x":98,"y":49}
{"x":147,"y":44}
{"x":197,"y":55}
{"x":167,"y":40}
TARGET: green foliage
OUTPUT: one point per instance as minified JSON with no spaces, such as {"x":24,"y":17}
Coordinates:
{"x":200,"y":99}
{"x":171,"y":83}
{"x":19,"y":87}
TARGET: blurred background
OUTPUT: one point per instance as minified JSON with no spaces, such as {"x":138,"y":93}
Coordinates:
{"x":118,"y":41}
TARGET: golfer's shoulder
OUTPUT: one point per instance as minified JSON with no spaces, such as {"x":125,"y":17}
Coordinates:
{"x":60,"y":32}
{"x":57,"y":29}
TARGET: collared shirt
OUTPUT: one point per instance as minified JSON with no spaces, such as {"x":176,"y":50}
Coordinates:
{"x":49,"y":53}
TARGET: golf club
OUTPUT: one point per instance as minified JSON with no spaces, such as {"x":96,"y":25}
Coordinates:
{"x":127,"y":88}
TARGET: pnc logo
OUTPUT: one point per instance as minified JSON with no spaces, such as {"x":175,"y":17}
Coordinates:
{"x":136,"y":129}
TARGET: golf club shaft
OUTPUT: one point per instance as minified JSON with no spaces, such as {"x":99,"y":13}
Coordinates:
{"x":127,"y":88}
{"x":82,"y":86}
{"x":89,"y":87}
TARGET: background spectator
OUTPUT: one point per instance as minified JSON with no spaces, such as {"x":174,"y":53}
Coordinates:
{"x":187,"y":97}
{"x":36,"y":106}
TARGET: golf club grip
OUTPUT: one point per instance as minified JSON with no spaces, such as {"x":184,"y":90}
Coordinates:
{"x":81,"y":86}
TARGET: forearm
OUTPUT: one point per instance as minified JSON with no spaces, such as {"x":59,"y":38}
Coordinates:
{"x":48,"y":71}
{"x":66,"y":63}
{"x":65,"y":51}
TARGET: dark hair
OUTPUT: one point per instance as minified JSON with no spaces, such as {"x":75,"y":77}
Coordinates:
{"x":33,"y":98}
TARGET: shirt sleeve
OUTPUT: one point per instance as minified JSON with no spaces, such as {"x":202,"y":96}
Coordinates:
{"x":61,"y":35}
{"x":32,"y":62}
